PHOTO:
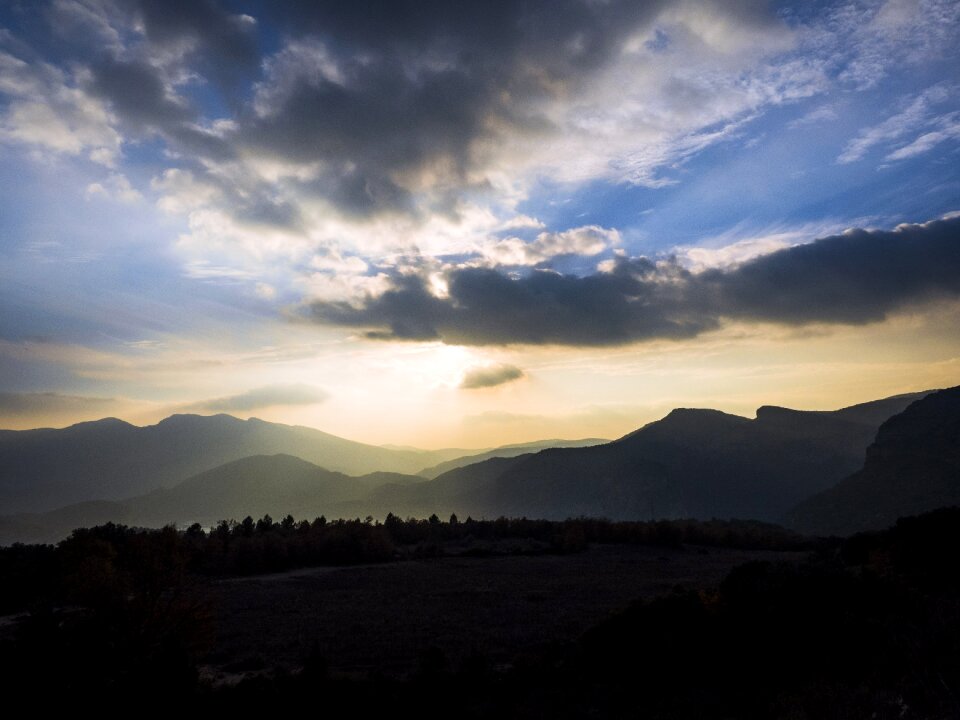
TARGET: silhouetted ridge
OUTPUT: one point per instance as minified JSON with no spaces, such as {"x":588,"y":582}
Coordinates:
{"x":275,"y":485}
{"x":694,"y":463}
{"x":700,"y":421}
{"x":697,"y":463}
{"x":775,"y":413}
{"x":107,"y":422}
{"x":110,"y":459}
{"x":505,"y":451}
{"x":193,"y":420}
{"x":912,"y":467}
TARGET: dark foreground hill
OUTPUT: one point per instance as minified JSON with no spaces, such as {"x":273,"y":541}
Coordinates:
{"x":692,"y":463}
{"x":913,"y":466}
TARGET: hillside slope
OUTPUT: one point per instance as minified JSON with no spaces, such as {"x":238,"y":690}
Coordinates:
{"x":692,"y":463}
{"x":912,"y":467}
{"x":262,"y":484}
{"x":111,"y":459}
{"x":506,"y":451}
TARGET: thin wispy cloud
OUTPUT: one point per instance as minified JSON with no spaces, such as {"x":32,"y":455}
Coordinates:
{"x":264,"y":397}
{"x":916,"y":115}
{"x":50,"y":403}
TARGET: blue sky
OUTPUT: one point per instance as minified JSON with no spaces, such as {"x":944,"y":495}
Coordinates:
{"x":208,"y":199}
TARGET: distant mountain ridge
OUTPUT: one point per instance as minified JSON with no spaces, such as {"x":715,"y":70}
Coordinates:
{"x":256,"y":485}
{"x":506,"y":451}
{"x":692,"y":463}
{"x":110,"y":459}
{"x":912,"y":467}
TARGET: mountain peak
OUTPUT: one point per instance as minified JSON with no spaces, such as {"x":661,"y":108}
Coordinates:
{"x":178,"y":419}
{"x":105,"y":423}
{"x":699,"y":416}
{"x":765,"y":411}
{"x":684,"y":420}
{"x":691,"y":412}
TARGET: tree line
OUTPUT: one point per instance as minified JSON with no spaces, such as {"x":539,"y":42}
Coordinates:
{"x":868,"y":626}
{"x":151,"y":558}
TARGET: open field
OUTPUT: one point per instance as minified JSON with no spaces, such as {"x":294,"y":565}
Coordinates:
{"x":390,"y":619}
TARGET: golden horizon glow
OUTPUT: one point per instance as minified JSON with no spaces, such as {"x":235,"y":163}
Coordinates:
{"x":409,"y":393}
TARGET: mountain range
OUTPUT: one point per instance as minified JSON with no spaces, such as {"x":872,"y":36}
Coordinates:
{"x":693,"y":463}
{"x":803,"y":468}
{"x":110,"y":459}
{"x":913,"y":466}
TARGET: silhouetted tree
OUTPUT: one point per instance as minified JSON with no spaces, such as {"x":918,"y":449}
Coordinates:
{"x":265,"y":524}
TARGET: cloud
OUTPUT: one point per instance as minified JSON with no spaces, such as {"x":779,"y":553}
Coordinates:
{"x":115,"y":187}
{"x":587,"y":240}
{"x":857,"y":277}
{"x":409,"y":109}
{"x":226,"y":42}
{"x":359,"y":131}
{"x":949,"y":128}
{"x":821,"y":114}
{"x":222,"y":45}
{"x":47,"y":403}
{"x":45,"y":109}
{"x":703,"y":258}
{"x":917,"y":114}
{"x":267,"y":396}
{"x":490,"y":376}
{"x":138,"y":92}
{"x":417,"y":96}
{"x":638,"y":300}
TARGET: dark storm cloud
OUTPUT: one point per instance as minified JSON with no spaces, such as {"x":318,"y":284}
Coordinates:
{"x":418,"y":83}
{"x":565,"y":35}
{"x":137,"y":92}
{"x":485,"y":377}
{"x":184,"y":38}
{"x":265,"y":397}
{"x":226,"y":35}
{"x":854,"y":278}
{"x":226,"y":43}
{"x":485,"y":307}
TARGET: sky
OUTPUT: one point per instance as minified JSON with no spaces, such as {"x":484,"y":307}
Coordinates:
{"x":467,"y":224}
